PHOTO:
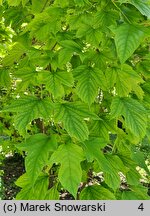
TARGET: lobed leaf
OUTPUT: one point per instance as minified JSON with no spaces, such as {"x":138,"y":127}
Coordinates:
{"x":89,"y":79}
{"x":72,"y":115}
{"x":30,"y":191}
{"x":125,"y":80}
{"x":143,"y":6}
{"x":70,"y":172}
{"x":127,"y":39}
{"x":96,"y":192}
{"x":38,"y":147}
{"x":133,"y":112}
{"x":5,"y":79}
{"x":93,"y":151}
{"x":28,"y":108}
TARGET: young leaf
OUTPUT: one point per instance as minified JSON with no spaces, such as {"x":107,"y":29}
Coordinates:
{"x":96,"y":192}
{"x":70,"y":172}
{"x":38,"y":147}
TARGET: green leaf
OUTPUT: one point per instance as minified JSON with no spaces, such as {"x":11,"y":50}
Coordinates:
{"x":140,"y":159}
{"x":93,"y":151}
{"x":27,"y":75}
{"x":142,"y":5}
{"x":55,"y":81}
{"x":43,"y":25}
{"x":70,"y":172}
{"x":14,"y":2}
{"x":79,"y":3}
{"x":38,"y":147}
{"x":89,"y":79}
{"x":129,"y":195}
{"x":30,"y":191}
{"x":72,"y":115}
{"x":52,"y":82}
{"x":5,"y":80}
{"x":124,"y":153}
{"x":137,"y":193}
{"x":126,"y":80}
{"x":29,"y":108}
{"x":66,"y":78}
{"x":133,"y":177}
{"x":52,"y":194}
{"x":24,"y":2}
{"x":64,"y":56}
{"x":96,"y":192}
{"x":117,"y":163}
{"x":106,"y":18}
{"x":14,"y":55}
{"x":112,"y":180}
{"x":77,"y":71}
{"x":71,"y":45}
{"x":38,"y":6}
{"x":93,"y":35}
{"x":23,"y":181}
{"x":63,"y":4}
{"x":127,"y":39}
{"x":133,"y":112}
{"x":100,"y":128}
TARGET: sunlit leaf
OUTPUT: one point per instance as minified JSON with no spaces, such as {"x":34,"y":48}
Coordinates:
{"x":96,"y":192}
{"x":127,"y":39}
{"x":72,"y":115}
{"x":70,"y":172}
{"x":133,"y":112}
{"x":28,"y":108}
{"x":38,"y":148}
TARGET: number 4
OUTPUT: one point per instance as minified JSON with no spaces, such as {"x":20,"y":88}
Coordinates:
{"x":141,"y":207}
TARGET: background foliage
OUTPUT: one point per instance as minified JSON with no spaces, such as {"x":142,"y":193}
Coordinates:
{"x":75,"y":96}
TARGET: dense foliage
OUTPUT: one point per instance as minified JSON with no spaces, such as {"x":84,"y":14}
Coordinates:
{"x":75,"y":96}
